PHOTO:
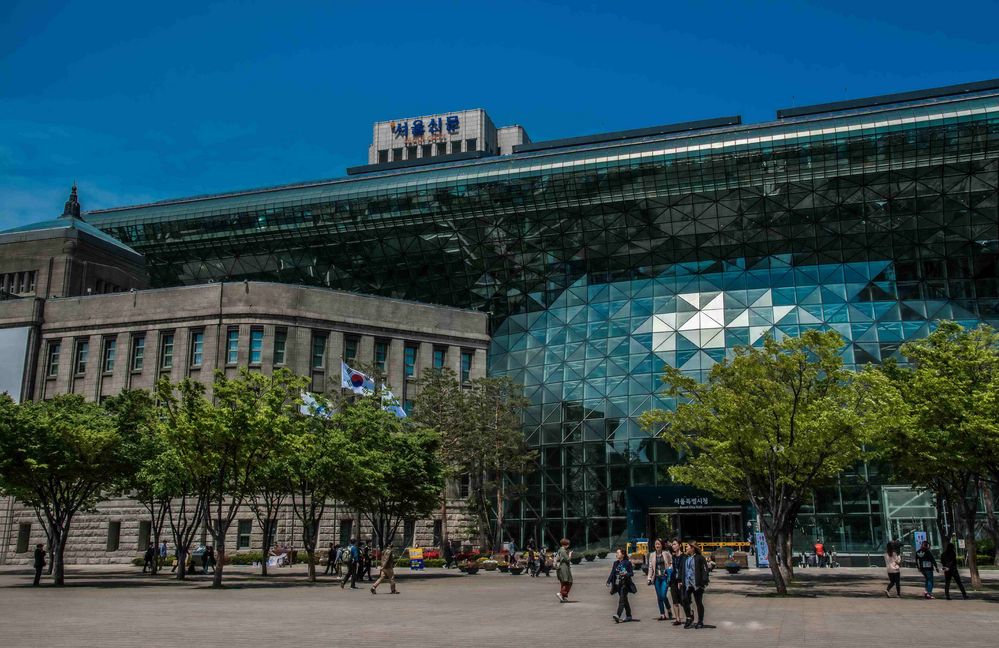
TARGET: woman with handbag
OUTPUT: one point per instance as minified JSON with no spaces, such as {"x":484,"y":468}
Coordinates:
{"x":660,"y":574}
{"x":622,"y":582}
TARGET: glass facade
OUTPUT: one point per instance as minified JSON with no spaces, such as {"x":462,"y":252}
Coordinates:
{"x":601,"y":263}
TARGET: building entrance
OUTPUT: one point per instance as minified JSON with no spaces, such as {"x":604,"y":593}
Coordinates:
{"x":715,"y":525}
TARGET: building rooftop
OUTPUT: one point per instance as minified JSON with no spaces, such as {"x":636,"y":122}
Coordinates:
{"x":886,"y":111}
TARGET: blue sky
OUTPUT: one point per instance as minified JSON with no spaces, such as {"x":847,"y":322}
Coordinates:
{"x":144,"y":101}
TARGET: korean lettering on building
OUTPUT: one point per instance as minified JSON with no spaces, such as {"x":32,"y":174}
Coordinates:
{"x":690,"y":501}
{"x":432,"y":129}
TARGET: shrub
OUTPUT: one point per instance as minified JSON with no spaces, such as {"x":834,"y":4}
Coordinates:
{"x":602,"y":554}
{"x":576,"y":559}
{"x":139,"y":562}
{"x":244,"y":557}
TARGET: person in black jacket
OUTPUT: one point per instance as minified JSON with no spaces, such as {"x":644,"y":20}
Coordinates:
{"x":948,"y":560}
{"x":927,"y":564}
{"x":148,"y":558}
{"x":622,"y":582}
{"x":39,"y":562}
{"x":693,"y":578}
{"x":674,"y":581}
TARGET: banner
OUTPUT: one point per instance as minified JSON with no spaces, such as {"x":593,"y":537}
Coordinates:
{"x":416,"y":558}
{"x":762,"y":550}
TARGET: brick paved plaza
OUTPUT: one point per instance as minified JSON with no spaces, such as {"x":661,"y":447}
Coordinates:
{"x":111,"y":606}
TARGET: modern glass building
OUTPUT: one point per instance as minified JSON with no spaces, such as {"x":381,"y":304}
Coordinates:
{"x":602,"y":259}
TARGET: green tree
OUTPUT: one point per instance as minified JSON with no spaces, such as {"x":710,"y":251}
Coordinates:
{"x":135,"y":410}
{"x":180,"y":473}
{"x":399,"y":474}
{"x":949,"y":388}
{"x":267,"y":494}
{"x":442,"y":406}
{"x":242,"y":430}
{"x":61,"y":456}
{"x":772,"y":424}
{"x":321,"y":467}
{"x":492,"y":451}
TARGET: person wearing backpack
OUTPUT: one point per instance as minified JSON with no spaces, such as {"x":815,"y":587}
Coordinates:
{"x":927,"y":564}
{"x":351,"y":556}
{"x":693,"y":578}
{"x":622,"y":582}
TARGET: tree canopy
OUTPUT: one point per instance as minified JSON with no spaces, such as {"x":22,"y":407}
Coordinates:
{"x":771,"y":424}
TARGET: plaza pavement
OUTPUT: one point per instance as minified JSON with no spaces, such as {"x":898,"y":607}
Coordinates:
{"x":117,"y":606}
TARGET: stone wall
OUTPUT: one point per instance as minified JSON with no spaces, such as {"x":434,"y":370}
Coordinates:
{"x":89,"y":535}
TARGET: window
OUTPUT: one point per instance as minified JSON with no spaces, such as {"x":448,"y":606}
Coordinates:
{"x":144,"y":535}
{"x":456,"y":146}
{"x":280,"y":342}
{"x":243,"y":537}
{"x":470,"y":144}
{"x":53,"y":364}
{"x":346,"y":527}
{"x":464,"y":485}
{"x":318,"y":350}
{"x":350,"y":345}
{"x":381,"y":354}
{"x":438,"y":533}
{"x":441,"y":148}
{"x":426,"y":150}
{"x":82,"y":351}
{"x":440,"y":358}
{"x":410,"y":152}
{"x":383,"y":156}
{"x":256,"y":346}
{"x":409,"y":361}
{"x":408,"y":406}
{"x":110,"y":349}
{"x":138,"y":352}
{"x":396,"y":154}
{"x":114,"y":535}
{"x":166,"y":351}
{"x":408,"y":532}
{"x":197,"y":348}
{"x":466,"y":366}
{"x":232,"y":346}
{"x":23,"y":536}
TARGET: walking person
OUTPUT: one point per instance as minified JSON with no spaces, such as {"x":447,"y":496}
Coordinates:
{"x":927,"y":564}
{"x":39,"y":563}
{"x":948,"y":560}
{"x":331,"y":559}
{"x":366,"y":560}
{"x":694,"y":580}
{"x":563,"y":570}
{"x":660,"y":573}
{"x":148,"y":558}
{"x":208,"y":560}
{"x":351,"y":556}
{"x":674,"y":579}
{"x":893,"y":563}
{"x":622,"y":582}
{"x":163,"y":553}
{"x":387,"y":572}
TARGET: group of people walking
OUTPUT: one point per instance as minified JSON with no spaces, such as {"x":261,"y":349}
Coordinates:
{"x":353,"y":563}
{"x":927,"y":565}
{"x":679,"y":575}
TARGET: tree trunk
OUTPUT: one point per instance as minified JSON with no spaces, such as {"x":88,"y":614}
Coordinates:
{"x":774,"y":542}
{"x":181,"y":563}
{"x":59,"y":537}
{"x":444,"y":537}
{"x":991,"y":522}
{"x":219,"y":563}
{"x":266,"y":549}
{"x":312,"y":564}
{"x":968,"y":514}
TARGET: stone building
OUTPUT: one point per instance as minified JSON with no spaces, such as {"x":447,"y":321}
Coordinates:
{"x":88,"y":326}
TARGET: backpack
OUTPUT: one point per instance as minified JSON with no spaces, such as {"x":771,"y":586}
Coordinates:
{"x":347,"y":557}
